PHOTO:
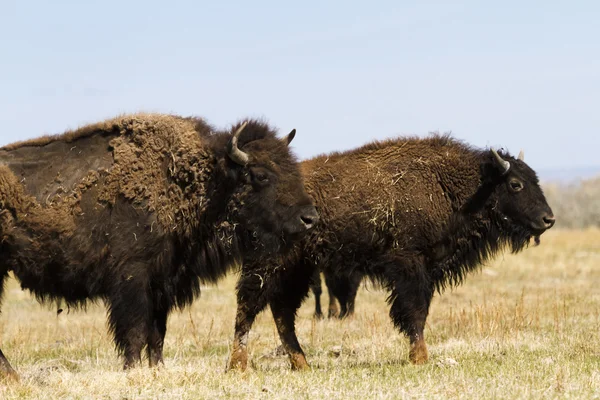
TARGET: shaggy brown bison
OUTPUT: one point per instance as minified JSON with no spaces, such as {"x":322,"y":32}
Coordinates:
{"x":414,"y":215}
{"x":140,"y":210}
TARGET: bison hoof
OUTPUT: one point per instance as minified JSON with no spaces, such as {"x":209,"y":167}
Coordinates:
{"x":418,"y":353}
{"x":299,"y":363}
{"x":9,"y":376}
{"x":238,"y":362}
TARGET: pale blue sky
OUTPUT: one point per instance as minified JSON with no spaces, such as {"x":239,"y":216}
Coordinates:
{"x":511,"y":73}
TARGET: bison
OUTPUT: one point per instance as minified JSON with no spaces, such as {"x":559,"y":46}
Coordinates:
{"x":413,"y":215}
{"x":140,"y":210}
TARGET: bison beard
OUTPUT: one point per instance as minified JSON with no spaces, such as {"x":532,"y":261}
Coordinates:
{"x":139,"y":211}
{"x":413,"y":215}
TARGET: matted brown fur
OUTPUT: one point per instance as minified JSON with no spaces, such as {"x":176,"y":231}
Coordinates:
{"x":73,"y":134}
{"x":142,"y":145}
{"x":18,"y":207}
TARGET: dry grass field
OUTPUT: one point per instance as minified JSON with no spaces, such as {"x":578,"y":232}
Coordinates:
{"x":526,"y":326}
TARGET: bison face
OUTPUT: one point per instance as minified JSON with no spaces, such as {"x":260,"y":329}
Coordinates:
{"x":520,"y":197}
{"x":274,"y":206}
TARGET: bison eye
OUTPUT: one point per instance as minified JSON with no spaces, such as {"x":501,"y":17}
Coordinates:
{"x":262,"y":178}
{"x":516,"y":185}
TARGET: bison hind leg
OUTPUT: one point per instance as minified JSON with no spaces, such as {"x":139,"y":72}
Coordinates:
{"x":317,"y":289}
{"x":342,"y":288}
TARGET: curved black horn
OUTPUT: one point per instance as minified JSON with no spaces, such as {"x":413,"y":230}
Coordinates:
{"x":290,"y":137}
{"x":503,"y":163}
{"x":235,"y":153}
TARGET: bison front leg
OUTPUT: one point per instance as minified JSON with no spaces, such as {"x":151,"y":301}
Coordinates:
{"x":287,"y":298}
{"x":285,"y":318}
{"x":251,"y":300}
{"x":130,"y":319}
{"x":410,"y":306}
{"x":156,"y":338}
{"x":5,"y":368}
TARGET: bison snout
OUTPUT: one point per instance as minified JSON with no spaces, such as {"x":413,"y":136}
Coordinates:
{"x":301,"y":220}
{"x":549,"y":221}
{"x":544,"y":222}
{"x":309,"y":218}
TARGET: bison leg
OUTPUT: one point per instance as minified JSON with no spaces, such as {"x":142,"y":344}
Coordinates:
{"x":156,"y":338}
{"x":344,"y":289}
{"x":130,"y":319}
{"x":5,"y":368}
{"x":243,"y":322}
{"x":317,"y":290}
{"x":285,"y":318}
{"x":251,"y":300}
{"x":353,"y":285}
{"x":290,"y":292}
{"x":410,"y":305}
{"x":334,"y":310}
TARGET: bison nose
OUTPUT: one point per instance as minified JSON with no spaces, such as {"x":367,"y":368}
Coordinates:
{"x":309,"y":218}
{"x":549,"y":221}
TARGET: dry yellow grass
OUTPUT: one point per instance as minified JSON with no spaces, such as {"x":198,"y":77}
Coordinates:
{"x":525,"y":327}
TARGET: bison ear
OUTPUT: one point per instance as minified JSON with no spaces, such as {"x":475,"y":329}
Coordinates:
{"x":290,"y":137}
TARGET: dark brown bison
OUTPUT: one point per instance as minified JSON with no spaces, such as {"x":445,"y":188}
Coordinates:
{"x":413,"y":215}
{"x":140,"y":210}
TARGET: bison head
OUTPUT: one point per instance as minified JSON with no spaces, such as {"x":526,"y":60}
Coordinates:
{"x":519,"y":197}
{"x":273,"y":206}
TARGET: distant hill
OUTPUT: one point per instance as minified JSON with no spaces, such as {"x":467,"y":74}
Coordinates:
{"x":568,"y":175}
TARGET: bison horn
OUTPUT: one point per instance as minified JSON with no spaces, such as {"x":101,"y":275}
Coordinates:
{"x":290,"y":136}
{"x":235,"y":153}
{"x":521,"y":156}
{"x":503,"y":163}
